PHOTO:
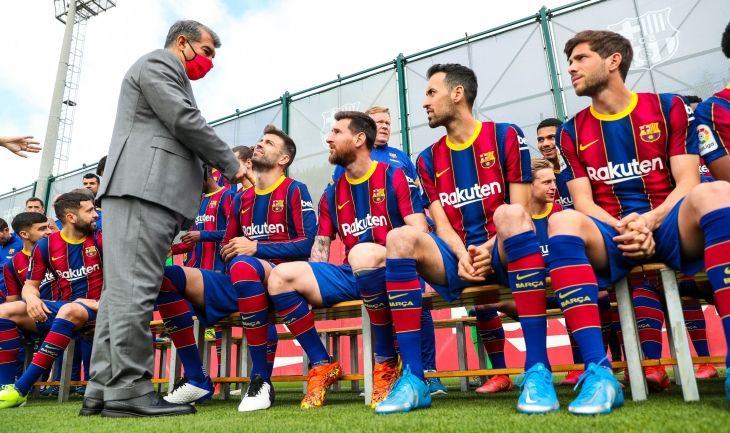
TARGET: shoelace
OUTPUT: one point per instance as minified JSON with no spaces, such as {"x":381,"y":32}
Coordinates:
{"x":590,"y":371}
{"x":183,"y":380}
{"x":522,"y":379}
{"x":255,"y":386}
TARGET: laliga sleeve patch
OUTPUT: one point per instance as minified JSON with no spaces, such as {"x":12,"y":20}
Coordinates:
{"x":706,"y":139}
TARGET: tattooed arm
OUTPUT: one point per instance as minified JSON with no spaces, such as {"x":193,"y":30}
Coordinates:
{"x":320,"y":249}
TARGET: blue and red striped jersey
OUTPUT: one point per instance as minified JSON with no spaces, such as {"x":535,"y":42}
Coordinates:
{"x":366,"y":209}
{"x":15,"y":272}
{"x":626,"y":155}
{"x":76,"y":266}
{"x":281,"y":218}
{"x":712,"y":119}
{"x":541,"y":226}
{"x":211,"y":223}
{"x":562,"y":195}
{"x":471,"y":180}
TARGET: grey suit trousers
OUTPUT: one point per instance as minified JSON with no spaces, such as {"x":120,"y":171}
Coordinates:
{"x":137,"y":236}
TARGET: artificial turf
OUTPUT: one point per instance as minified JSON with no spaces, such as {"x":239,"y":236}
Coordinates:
{"x":458,"y":411}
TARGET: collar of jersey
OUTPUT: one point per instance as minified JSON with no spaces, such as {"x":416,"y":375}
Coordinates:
{"x":72,"y":242}
{"x":546,"y":213}
{"x":271,"y":188}
{"x":364,"y":177}
{"x":469,"y":142}
{"x":27,"y":253}
{"x":214,"y":192}
{"x":728,"y":86}
{"x":621,"y":114}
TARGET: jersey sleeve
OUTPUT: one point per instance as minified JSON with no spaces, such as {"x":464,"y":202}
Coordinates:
{"x":424,"y":166}
{"x":304,"y":222}
{"x":712,"y":124}
{"x":181,"y":248}
{"x":682,"y":140}
{"x":326,"y":226}
{"x":517,"y":155}
{"x":233,"y":228}
{"x":565,"y":142}
{"x":38,"y":261}
{"x":10,"y":280}
{"x":224,"y":208}
{"x":406,"y":193}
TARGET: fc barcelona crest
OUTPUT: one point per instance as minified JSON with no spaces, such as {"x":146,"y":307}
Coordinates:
{"x":378,"y":195}
{"x":90,"y":251}
{"x":213,"y":203}
{"x":277,"y":205}
{"x":487,"y":159}
{"x":650,"y":132}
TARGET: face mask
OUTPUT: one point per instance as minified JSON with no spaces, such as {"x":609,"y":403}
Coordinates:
{"x":198,"y":66}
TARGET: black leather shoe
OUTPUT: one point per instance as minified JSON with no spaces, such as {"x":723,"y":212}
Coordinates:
{"x":150,"y":404}
{"x":91,"y":406}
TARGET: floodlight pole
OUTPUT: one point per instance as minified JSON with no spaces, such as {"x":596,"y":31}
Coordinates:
{"x":54,"y":117}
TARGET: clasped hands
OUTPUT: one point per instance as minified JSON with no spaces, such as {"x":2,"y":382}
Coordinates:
{"x":636,"y":239}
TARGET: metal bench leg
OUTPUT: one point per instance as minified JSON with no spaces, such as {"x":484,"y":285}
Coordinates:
{"x":354,"y":365}
{"x":632,"y":348}
{"x":305,"y":369}
{"x":336,"y":355}
{"x":481,"y":356}
{"x":461,"y":348}
{"x":244,"y":359}
{"x":225,"y":361}
{"x":367,"y":354}
{"x":163,"y":359}
{"x":678,"y":336}
{"x":64,"y":388}
{"x":174,"y":367}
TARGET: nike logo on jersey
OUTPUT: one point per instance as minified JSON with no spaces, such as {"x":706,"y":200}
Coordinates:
{"x":340,"y":206}
{"x":583,"y":147}
{"x":20,"y":271}
{"x":617,"y":173}
{"x":440,"y":173}
{"x":563,"y":295}
{"x":522,"y":277}
{"x":243,"y":211}
{"x":56,"y":258}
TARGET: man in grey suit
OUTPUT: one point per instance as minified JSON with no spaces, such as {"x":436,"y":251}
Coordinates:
{"x":151,"y":188}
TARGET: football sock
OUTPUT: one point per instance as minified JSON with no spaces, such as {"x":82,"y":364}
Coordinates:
{"x":55,"y":342}
{"x":491,"y":332}
{"x":575,"y":286}
{"x":294,"y":311}
{"x":371,"y":285}
{"x":9,"y":351}
{"x":649,"y":319}
{"x":526,"y":274}
{"x":405,"y":300}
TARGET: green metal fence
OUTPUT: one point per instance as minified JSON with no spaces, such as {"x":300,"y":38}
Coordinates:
{"x":521,"y":71}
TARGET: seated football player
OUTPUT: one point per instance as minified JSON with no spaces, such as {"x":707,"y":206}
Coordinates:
{"x":361,"y":207}
{"x":73,"y":256}
{"x":712,"y":120}
{"x":468,"y":176}
{"x":269,"y":224}
{"x":632,"y":173}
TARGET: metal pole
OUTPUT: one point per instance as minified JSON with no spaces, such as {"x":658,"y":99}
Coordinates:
{"x":49,"y":143}
{"x":400,"y":62}
{"x":285,"y":112}
{"x":552,"y":64}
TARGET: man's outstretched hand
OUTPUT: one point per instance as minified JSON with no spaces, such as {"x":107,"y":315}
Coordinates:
{"x":20,"y":144}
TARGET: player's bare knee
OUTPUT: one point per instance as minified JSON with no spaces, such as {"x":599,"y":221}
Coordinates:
{"x":73,"y":312}
{"x":366,"y":255}
{"x":709,"y":196}
{"x":280,"y":280}
{"x":511,"y":219}
{"x":400,"y":242}
{"x":566,"y":222}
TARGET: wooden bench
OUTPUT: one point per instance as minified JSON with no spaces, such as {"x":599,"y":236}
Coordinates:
{"x":470,"y":296}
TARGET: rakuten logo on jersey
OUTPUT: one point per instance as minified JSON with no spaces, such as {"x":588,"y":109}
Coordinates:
{"x":464,"y":196}
{"x":617,"y":173}
{"x":77,"y":274}
{"x":200,"y":219}
{"x":565,"y":202}
{"x":362,"y":225}
{"x":261,"y":230}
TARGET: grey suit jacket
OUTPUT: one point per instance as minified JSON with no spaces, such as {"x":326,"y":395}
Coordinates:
{"x":160,"y":138}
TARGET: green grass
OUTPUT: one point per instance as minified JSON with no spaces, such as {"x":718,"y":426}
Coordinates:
{"x":457,"y":411}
